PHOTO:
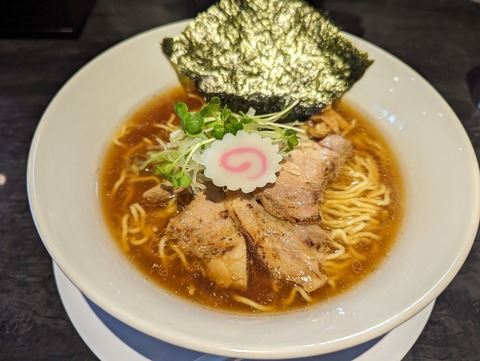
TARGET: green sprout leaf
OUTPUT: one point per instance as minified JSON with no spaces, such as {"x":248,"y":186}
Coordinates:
{"x":225,"y":114}
{"x":232,"y":125}
{"x":218,"y":131}
{"x":292,"y":142}
{"x":181,"y":109}
{"x":211,"y":108}
{"x":193,"y":123}
{"x":165,"y":169}
{"x":181,"y":180}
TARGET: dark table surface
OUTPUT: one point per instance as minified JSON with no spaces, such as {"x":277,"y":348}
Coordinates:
{"x":439,"y":39}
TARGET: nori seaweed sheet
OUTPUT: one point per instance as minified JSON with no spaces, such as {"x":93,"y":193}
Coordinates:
{"x":264,"y":53}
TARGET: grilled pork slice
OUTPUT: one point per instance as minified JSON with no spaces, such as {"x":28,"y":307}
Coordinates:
{"x":164,"y":192}
{"x":288,"y":251}
{"x":204,"y":230}
{"x":298,"y":191}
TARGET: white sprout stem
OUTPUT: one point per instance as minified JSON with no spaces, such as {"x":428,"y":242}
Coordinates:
{"x":193,"y":150}
{"x":275,"y":116}
{"x":157,"y":156}
{"x":283,"y":126}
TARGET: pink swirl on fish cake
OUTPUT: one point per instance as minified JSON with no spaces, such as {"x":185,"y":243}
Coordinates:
{"x":246,"y":165}
{"x":243,"y":161}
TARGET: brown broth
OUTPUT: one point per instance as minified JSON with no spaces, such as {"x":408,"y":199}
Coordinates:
{"x":191,"y":284}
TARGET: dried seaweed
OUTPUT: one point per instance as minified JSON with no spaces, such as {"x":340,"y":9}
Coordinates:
{"x":264,"y":53}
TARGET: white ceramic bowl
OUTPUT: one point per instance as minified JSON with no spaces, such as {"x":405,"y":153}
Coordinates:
{"x":442,"y":209}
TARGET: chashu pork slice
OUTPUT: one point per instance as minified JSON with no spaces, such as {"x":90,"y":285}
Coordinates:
{"x":287,"y":250}
{"x":204,"y":230}
{"x":300,"y":185}
{"x":165,"y":192}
